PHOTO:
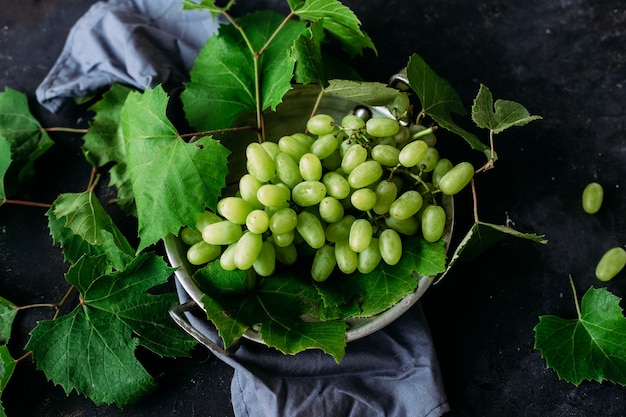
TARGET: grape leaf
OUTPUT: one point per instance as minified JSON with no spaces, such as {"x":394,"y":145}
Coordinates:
{"x":338,"y":20}
{"x":104,"y":143}
{"x":590,"y":347}
{"x":8,"y":311}
{"x":5,"y":163}
{"x":92,"y":349}
{"x":7,"y":366}
{"x":307,"y":53}
{"x":222,"y":85}
{"x":28,"y":139}
{"x":172,"y":180}
{"x":499,"y":116}
{"x":207,"y":5}
{"x":370,"y":93}
{"x":439,"y":100}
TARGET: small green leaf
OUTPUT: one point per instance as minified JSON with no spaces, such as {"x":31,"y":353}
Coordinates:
{"x":307,"y":53}
{"x":590,"y":347}
{"x":7,"y":366}
{"x":5,"y":163}
{"x":369,"y":93}
{"x":501,"y":116}
{"x":206,"y":5}
{"x":8,"y":311}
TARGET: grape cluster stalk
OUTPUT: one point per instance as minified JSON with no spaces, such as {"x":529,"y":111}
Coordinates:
{"x":344,"y":193}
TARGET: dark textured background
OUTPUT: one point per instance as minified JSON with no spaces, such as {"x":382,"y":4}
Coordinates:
{"x":564,"y":60}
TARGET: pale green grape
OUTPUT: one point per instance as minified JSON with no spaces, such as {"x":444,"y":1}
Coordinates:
{"x":408,"y":226}
{"x":360,"y":235}
{"x":235,"y":209}
{"x":390,"y":246}
{"x":332,"y":161}
{"x":443,"y":166}
{"x":406,"y":205}
{"x":369,"y":259}
{"x":271,"y":148}
{"x":259,"y":163}
{"x":386,"y":155}
{"x":303,"y":138}
{"x":311,"y":229}
{"x":352,"y":124}
{"x":190,"y":235}
{"x":611,"y":263}
{"x":412,"y":153}
{"x":347,"y":259}
{"x":283,"y":239}
{"x":320,"y":124}
{"x":247,"y":250}
{"x":423,"y":133}
{"x":399,"y":105}
{"x":365,"y":174}
{"x":222,"y":233}
{"x":205,"y":218}
{"x":293,"y":147}
{"x":363,"y":199}
{"x":273,"y":195}
{"x":308,"y":193}
{"x":386,"y":193}
{"x":340,"y":230}
{"x":310,"y":167}
{"x":433,"y":223}
{"x":265,"y":263}
{"x":283,"y":221}
{"x":258,"y":221}
{"x":331,"y":210}
{"x":379,"y":127}
{"x":324,"y":262}
{"x":324,"y":145}
{"x":457,"y":178}
{"x":287,"y":169}
{"x":429,"y":161}
{"x":336,"y":185}
{"x":201,"y":252}
{"x":286,"y":255}
{"x":248,"y":187}
{"x":403,"y":135}
{"x":353,"y":157}
{"x":227,"y":260}
{"x":592,"y":197}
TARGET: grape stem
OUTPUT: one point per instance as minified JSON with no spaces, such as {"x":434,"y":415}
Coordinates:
{"x":475,"y":201}
{"x":26,"y":203}
{"x":490,"y":164}
{"x":571,"y":281}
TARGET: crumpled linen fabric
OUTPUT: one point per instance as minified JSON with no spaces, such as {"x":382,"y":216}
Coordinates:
{"x":393,"y":372}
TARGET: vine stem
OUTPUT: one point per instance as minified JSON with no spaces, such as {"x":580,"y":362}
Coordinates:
{"x":571,"y":281}
{"x":27,"y":203}
{"x":197,"y":135}
{"x":475,"y":201}
{"x":66,"y":129}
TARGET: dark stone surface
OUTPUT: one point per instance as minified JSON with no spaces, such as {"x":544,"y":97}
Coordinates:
{"x":563,"y":60}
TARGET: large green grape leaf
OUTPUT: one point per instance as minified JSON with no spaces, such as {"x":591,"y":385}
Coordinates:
{"x":499,"y":116}
{"x":8,"y":311}
{"x":590,"y":347}
{"x":7,"y":366}
{"x":92,"y":349}
{"x":223,"y":78}
{"x":5,"y":163}
{"x":172,"y":180}
{"x":439,"y":100}
{"x":28,"y":139}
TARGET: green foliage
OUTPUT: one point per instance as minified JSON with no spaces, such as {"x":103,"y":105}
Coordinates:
{"x":499,"y":116}
{"x":5,"y":163}
{"x":8,"y":311}
{"x":7,"y":366}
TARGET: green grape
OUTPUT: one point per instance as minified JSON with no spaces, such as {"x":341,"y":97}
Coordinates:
{"x":271,"y":148}
{"x":403,"y":135}
{"x":258,"y":221}
{"x":423,"y":133}
{"x":224,"y":232}
{"x":407,"y":227}
{"x":365,"y":174}
{"x":259,"y":163}
{"x":310,"y":167}
{"x":287,"y":169}
{"x":433,"y":223}
{"x":353,"y":157}
{"x":235,"y":209}
{"x":325,"y":145}
{"x":303,"y":138}
{"x":379,"y":127}
{"x":611,"y":264}
{"x":286,"y":255}
{"x":320,"y":124}
{"x":190,"y":235}
{"x":340,"y":230}
{"x":273,"y":195}
{"x":386,"y":193}
{"x":283,"y":239}
{"x":457,"y":178}
{"x":360,"y":235}
{"x":324,"y":262}
{"x":283,"y":220}
{"x":386,"y":155}
{"x":412,"y":153}
{"x":399,"y":105}
{"x":265,"y":263}
{"x":336,"y":185}
{"x":308,"y":193}
{"x":406,"y":205}
{"x":352,"y":124}
{"x":443,"y":166}
{"x":429,"y":161}
{"x":248,"y":187}
{"x":347,"y":259}
{"x":201,"y":252}
{"x":333,"y":161}
{"x":227,"y":260}
{"x":293,"y":147}
{"x":363,"y":199}
{"x":369,"y":259}
{"x":331,"y":210}
{"x":592,"y":197}
{"x":311,"y":229}
{"x":205,"y":218}
{"x":247,"y":250}
{"x":390,"y":246}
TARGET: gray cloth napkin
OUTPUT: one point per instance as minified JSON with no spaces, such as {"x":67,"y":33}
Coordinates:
{"x":393,"y":372}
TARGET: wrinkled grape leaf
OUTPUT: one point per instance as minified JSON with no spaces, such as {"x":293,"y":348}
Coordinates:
{"x":369,"y":93}
{"x":28,"y":139}
{"x":439,"y":100}
{"x":8,"y":311}
{"x":338,"y":20}
{"x":307,"y":54}
{"x":590,"y":347}
{"x":172,"y":180}
{"x":499,"y":116}
{"x":222,"y":85}
{"x":92,"y":349}
{"x":5,"y":163}
{"x":7,"y":366}
{"x":480,"y":237}
{"x":104,"y":143}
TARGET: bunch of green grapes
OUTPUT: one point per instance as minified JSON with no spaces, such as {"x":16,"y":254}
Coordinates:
{"x":343,"y":193}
